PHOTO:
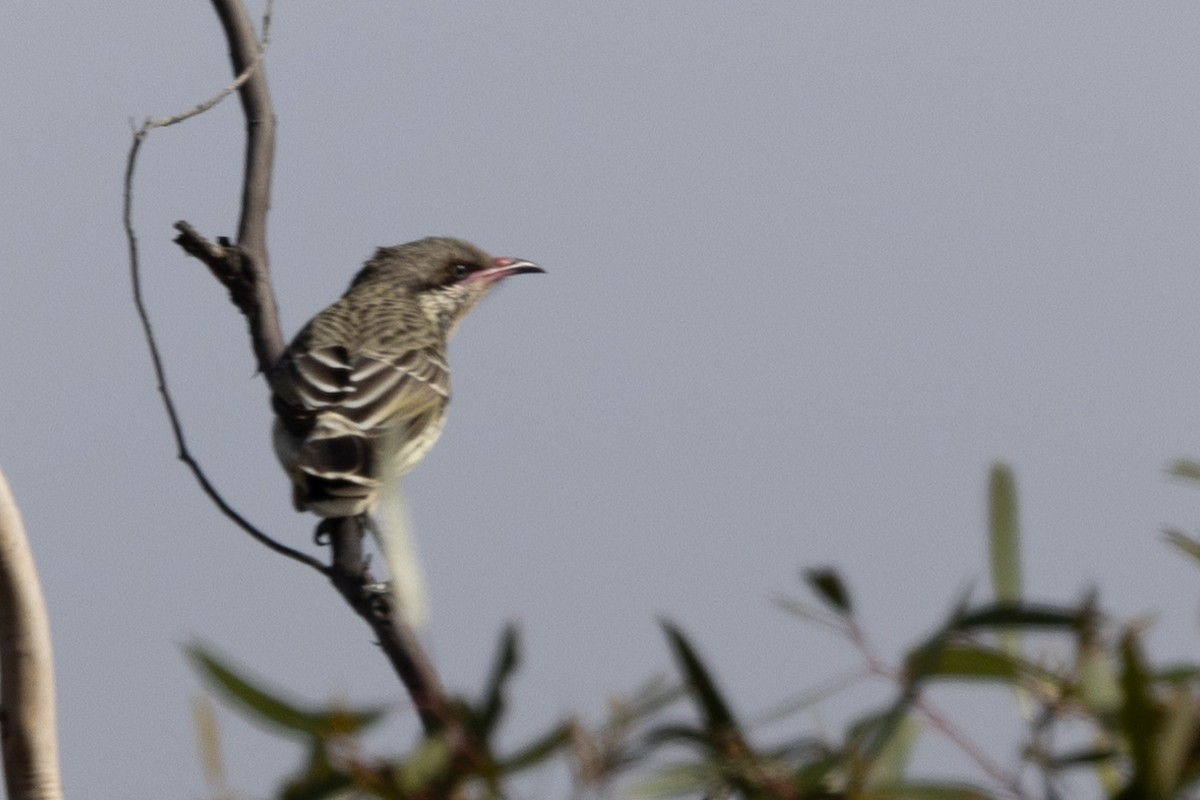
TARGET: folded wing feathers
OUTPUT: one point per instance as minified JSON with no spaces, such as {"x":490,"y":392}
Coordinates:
{"x":367,"y":396}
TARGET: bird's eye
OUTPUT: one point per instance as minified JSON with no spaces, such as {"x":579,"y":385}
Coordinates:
{"x":461,"y":271}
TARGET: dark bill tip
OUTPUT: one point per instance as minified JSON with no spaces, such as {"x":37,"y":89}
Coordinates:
{"x":515,"y":266}
{"x":503,"y":267}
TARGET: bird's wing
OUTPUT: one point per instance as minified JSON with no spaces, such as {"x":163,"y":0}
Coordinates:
{"x":367,"y":388}
{"x":346,"y":423}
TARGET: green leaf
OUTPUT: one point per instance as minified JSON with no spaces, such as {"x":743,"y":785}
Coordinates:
{"x":1177,"y":733}
{"x":1004,"y":535}
{"x":426,"y":765}
{"x":208,"y":739}
{"x":809,"y":613}
{"x":1184,"y":543}
{"x":828,"y":586}
{"x":1029,"y":615}
{"x":1185,"y":469}
{"x":1078,"y":758}
{"x":1004,"y":539}
{"x":538,"y":750}
{"x":931,"y":790}
{"x":888,"y":767}
{"x":679,"y":734}
{"x":977,"y":662}
{"x":491,"y":708}
{"x":872,"y":735}
{"x":317,"y":786}
{"x":816,"y":774}
{"x":1138,"y":717}
{"x":268,"y":707}
{"x":925,"y":659}
{"x":647,"y":700}
{"x":719,"y":721}
{"x":677,"y":780}
{"x":1099,"y":687}
{"x":1178,"y":673}
{"x":868,"y":738}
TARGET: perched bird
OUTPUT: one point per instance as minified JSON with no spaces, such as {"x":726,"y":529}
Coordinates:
{"x":360,"y":394}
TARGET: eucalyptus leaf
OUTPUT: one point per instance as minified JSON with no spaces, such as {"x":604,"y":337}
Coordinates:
{"x":719,"y":721}
{"x":270,"y":708}
{"x":829,"y":586}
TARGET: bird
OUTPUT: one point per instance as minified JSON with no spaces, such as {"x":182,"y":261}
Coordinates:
{"x":361,"y":393}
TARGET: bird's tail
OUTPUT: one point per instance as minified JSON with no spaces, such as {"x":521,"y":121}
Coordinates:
{"x":398,"y":547}
{"x":336,"y":462}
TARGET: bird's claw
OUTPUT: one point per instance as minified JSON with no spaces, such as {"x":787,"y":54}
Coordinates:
{"x":323,"y":535}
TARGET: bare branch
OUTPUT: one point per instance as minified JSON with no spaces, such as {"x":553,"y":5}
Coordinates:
{"x":27,"y":725}
{"x":242,"y":270}
{"x":160,"y":374}
{"x":349,"y":574}
{"x":972,"y":749}
{"x":243,"y":76}
{"x":245,"y":53}
{"x":246,"y":283}
{"x":932,"y":715}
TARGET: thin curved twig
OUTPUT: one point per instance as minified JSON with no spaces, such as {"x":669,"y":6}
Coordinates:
{"x":350,"y":576}
{"x":244,"y":75}
{"x":184,"y":453}
{"x":942,"y":723}
{"x":933,"y":715}
{"x":242,"y":268}
{"x":245,"y":53}
{"x":27,"y":726}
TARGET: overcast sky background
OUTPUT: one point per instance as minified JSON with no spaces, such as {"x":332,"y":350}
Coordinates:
{"x":812,"y":267}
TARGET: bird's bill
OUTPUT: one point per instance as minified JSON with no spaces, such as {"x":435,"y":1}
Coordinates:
{"x":503,"y":267}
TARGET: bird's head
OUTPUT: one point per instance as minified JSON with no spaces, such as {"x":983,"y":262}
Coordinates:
{"x":446,"y":276}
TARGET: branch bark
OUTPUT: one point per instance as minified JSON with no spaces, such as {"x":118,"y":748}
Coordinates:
{"x":242,"y":268}
{"x":348,"y":572}
{"x":27,"y":726}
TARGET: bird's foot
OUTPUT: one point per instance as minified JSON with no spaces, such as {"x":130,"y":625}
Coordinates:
{"x":323,"y":535}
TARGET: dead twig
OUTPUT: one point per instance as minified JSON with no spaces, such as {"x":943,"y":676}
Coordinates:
{"x":242,"y":268}
{"x":183,"y":452}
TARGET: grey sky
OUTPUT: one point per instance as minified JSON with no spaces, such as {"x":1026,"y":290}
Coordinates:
{"x":812,"y":267}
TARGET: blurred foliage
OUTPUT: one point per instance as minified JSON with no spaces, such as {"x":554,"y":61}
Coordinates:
{"x":1131,"y":728}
